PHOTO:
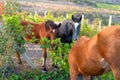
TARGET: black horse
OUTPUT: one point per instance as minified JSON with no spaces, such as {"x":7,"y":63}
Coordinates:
{"x":70,"y":29}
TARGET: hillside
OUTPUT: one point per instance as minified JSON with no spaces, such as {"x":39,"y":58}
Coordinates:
{"x":108,"y":1}
{"x":61,"y":7}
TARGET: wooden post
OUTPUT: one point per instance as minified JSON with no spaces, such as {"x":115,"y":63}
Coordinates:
{"x":30,"y":15}
{"x":82,"y":21}
{"x":87,"y":22}
{"x":99,"y":26}
{"x":66,"y":16}
{"x":28,"y":60}
{"x":45,"y":14}
{"x":110,"y":20}
{"x":92,"y":26}
{"x":35,"y":15}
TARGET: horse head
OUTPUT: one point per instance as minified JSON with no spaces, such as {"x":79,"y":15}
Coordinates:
{"x":52,"y":28}
{"x":76,"y":21}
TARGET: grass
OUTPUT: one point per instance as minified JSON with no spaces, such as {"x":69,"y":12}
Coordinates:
{"x":107,"y":76}
{"x":108,"y":6}
{"x":56,"y":75}
{"x":38,"y":75}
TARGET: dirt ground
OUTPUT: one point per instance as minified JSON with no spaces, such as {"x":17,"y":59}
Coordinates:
{"x":60,"y":6}
{"x":35,"y":53}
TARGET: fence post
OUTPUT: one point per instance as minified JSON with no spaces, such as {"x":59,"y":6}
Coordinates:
{"x":35,"y":15}
{"x":66,"y":16}
{"x":110,"y":20}
{"x":99,"y":26}
{"x":82,"y":21}
{"x":45,"y":13}
{"x":28,"y":60}
{"x":30,"y":15}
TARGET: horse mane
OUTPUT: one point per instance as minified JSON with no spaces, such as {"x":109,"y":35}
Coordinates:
{"x":49,"y":23}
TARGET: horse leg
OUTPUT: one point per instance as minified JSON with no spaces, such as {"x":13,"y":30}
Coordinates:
{"x":18,"y":57}
{"x":116,"y":73}
{"x":98,"y":77}
{"x":73,"y":73}
{"x":86,"y":77}
{"x":53,"y":64}
{"x":44,"y":59}
{"x":93,"y":77}
{"x":115,"y":66}
{"x":114,"y":62}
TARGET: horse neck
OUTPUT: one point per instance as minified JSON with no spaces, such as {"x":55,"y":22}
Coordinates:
{"x":69,"y":27}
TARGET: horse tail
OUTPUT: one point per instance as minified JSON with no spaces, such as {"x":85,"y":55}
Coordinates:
{"x":23,"y":23}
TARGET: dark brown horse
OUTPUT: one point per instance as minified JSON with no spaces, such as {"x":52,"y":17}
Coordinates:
{"x":46,"y":29}
{"x":97,"y":55}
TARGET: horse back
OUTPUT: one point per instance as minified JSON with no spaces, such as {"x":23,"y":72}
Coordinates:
{"x":35,"y":30}
{"x":65,"y":27}
{"x":65,"y":31}
{"x":109,"y":43}
{"x":23,"y":23}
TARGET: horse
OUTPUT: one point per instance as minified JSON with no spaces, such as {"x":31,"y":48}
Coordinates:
{"x":47,"y":29}
{"x":96,"y":55}
{"x":70,"y":29}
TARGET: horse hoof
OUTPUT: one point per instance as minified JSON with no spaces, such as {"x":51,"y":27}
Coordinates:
{"x":19,"y":62}
{"x":54,"y":66}
{"x":44,"y":69}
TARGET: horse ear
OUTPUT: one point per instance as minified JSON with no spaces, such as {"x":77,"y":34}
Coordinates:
{"x":73,"y":18}
{"x":48,"y":24}
{"x":51,"y":25}
{"x":80,"y":18}
{"x":59,"y":25}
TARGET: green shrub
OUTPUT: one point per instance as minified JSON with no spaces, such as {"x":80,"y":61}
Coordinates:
{"x":88,"y":30}
{"x":59,"y":53}
{"x":107,"y":76}
{"x":108,"y":6}
{"x":11,"y":41}
{"x":11,"y":7}
{"x":38,"y":75}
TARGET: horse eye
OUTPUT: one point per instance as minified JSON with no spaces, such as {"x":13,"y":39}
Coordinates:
{"x":53,"y":30}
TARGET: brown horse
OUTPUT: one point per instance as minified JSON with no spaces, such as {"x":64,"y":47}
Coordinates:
{"x":97,"y":55}
{"x":46,"y":29}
